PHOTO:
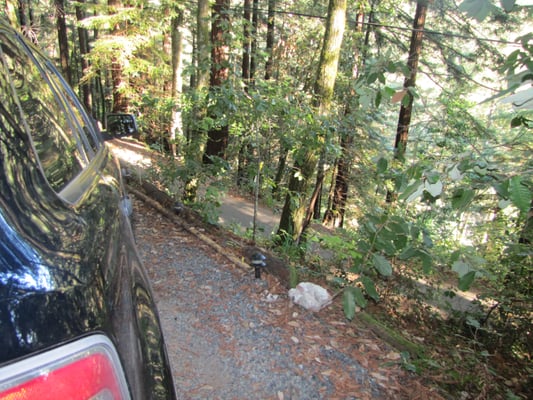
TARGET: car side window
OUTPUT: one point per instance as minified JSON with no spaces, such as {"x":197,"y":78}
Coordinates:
{"x":63,"y":137}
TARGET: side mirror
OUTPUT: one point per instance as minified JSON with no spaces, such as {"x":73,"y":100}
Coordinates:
{"x":119,"y":124}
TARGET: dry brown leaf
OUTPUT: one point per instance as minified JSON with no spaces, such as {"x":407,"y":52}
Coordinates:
{"x":398,"y":96}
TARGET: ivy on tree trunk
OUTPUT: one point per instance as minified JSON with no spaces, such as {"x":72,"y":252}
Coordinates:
{"x":297,"y":212}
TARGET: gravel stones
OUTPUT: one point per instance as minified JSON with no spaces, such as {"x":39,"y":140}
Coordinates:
{"x":231,"y":336}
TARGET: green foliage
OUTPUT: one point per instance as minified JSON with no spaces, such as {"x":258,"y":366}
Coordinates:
{"x":209,"y":203}
{"x":459,"y":204}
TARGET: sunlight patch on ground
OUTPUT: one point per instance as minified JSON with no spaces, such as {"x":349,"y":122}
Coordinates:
{"x":131,"y":156}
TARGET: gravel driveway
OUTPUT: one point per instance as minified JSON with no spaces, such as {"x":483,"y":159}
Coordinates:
{"x":231,"y":336}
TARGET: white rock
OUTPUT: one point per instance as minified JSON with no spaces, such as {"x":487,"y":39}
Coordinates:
{"x":310,"y":296}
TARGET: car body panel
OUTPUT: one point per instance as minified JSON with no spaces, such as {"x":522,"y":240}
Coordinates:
{"x":68,"y":262}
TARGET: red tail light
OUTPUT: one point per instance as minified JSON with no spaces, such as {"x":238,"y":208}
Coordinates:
{"x":86,"y":369}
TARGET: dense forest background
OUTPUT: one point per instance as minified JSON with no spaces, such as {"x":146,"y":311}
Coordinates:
{"x":403,"y":127}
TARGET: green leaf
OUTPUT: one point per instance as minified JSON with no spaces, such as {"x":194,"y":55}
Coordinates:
{"x":407,"y":99}
{"x":348,"y":303}
{"x":432,"y":177}
{"x":352,"y":296}
{"x":427,"y":262}
{"x":462,"y":198}
{"x":455,"y":174}
{"x":400,"y":226}
{"x":359,"y":297}
{"x":502,"y":189}
{"x":400,"y":241}
{"x":520,"y":194}
{"x":370,"y":288}
{"x":518,"y":121}
{"x":466,"y":280}
{"x":382,"y":264}
{"x":461,"y":267}
{"x":478,"y":9}
{"x":382,"y":165}
{"x":377,"y":100}
{"x":412,"y":192}
{"x":382,"y":244}
{"x":408,"y":252}
{"x":434,"y":189}
{"x":508,"y":5}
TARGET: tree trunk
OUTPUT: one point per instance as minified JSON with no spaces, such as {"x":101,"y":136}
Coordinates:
{"x":296,"y":213}
{"x":280,"y":170}
{"x":247,"y":43}
{"x":62,"y":37}
{"x":218,"y":137}
{"x":244,"y":157}
{"x":201,"y":83}
{"x":255,"y":26}
{"x":25,"y":17}
{"x":176,"y":129}
{"x":404,"y":120}
{"x":120,"y":102}
{"x":203,"y":39}
{"x":269,"y":66}
{"x":83,"y":39}
{"x":334,"y":215}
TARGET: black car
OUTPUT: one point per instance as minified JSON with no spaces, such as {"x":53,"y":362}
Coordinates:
{"x":77,"y":316}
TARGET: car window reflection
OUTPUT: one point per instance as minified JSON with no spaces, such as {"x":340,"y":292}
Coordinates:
{"x":45,"y":118}
{"x":63,"y":137}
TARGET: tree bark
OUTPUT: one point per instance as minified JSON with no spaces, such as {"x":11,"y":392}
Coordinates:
{"x":255,"y":26}
{"x":247,"y":43}
{"x":176,"y":129}
{"x":406,"y":110}
{"x":296,"y":212}
{"x":203,"y":38}
{"x":201,"y":83}
{"x":26,"y":20}
{"x":120,"y":102}
{"x":218,"y":137}
{"x":83,"y":39}
{"x":62,"y":38}
{"x":334,"y":215}
{"x":269,"y":66}
{"x":280,"y":170}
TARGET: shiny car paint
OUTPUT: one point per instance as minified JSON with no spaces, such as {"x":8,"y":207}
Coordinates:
{"x":68,"y":263}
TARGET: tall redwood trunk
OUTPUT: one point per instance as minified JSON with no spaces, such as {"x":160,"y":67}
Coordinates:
{"x":334,"y":215}
{"x":218,"y":137}
{"x":404,"y":120}
{"x":62,"y":38}
{"x":83,"y":39}
{"x":296,"y":213}
{"x":269,"y":66}
{"x":247,"y":42}
{"x":176,"y":129}
{"x":255,"y":26}
{"x":120,"y":102}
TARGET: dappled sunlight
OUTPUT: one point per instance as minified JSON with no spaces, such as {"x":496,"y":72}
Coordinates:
{"x":130,"y":153}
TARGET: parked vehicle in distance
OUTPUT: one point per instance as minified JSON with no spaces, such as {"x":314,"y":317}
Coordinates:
{"x":121,"y":124}
{"x":77,"y":315}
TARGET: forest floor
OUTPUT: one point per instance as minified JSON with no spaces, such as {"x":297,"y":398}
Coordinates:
{"x":379,"y":348}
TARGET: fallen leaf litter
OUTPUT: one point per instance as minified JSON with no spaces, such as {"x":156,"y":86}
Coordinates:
{"x":231,"y":336}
